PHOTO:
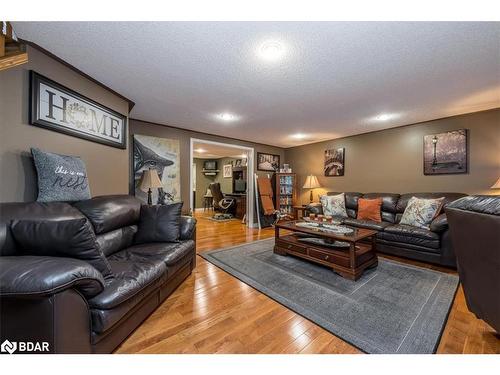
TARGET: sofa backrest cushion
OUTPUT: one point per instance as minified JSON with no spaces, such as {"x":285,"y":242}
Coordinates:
{"x":405,"y":198}
{"x":72,"y":238}
{"x":110,"y":212}
{"x":30,"y":211}
{"x":116,"y":240}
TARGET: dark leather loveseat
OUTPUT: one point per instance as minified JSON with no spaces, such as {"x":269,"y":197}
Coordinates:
{"x":66,"y":301}
{"x":432,"y":245}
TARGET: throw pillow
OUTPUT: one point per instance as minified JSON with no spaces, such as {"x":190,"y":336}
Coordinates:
{"x":369,"y":209}
{"x":159,"y":223}
{"x":61,"y":238}
{"x":333,"y":205}
{"x":420,"y":212}
{"x":61,"y":178}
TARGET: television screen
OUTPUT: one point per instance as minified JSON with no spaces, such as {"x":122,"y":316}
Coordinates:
{"x":210,"y":165}
{"x":240,"y":186}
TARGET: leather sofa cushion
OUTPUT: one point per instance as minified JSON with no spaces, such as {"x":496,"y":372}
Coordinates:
{"x":416,"y":252}
{"x":367,"y":224}
{"x":411,"y":235}
{"x":172,"y":256}
{"x":159,"y":223}
{"x":117,"y":239}
{"x":61,"y":238}
{"x":130,"y":278}
{"x":30,"y":211}
{"x":168,"y":253}
{"x":110,"y":212}
{"x":369,"y":209}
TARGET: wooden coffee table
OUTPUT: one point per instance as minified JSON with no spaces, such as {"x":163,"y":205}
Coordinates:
{"x":347,"y":262}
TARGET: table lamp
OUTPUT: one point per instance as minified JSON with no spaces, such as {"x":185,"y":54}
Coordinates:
{"x":496,"y":185}
{"x":150,"y":180}
{"x":311,"y":183}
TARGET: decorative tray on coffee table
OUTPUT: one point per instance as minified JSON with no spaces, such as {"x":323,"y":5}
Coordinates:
{"x":325,"y":227}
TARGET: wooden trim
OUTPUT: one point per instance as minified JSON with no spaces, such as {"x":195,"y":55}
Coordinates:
{"x":11,"y":60}
{"x":131,"y":104}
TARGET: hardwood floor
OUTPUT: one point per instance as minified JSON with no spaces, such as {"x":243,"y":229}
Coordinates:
{"x":213,"y":312}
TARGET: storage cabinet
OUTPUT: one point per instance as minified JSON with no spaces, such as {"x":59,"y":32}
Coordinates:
{"x":285,"y":192}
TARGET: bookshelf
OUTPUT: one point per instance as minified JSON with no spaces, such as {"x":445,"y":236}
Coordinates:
{"x":285,"y":192}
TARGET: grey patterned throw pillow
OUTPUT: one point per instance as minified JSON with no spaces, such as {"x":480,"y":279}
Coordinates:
{"x":61,"y":178}
{"x":333,"y":205}
{"x":420,"y":212}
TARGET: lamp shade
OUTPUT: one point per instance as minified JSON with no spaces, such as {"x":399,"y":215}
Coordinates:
{"x":150,"y":180}
{"x":311,"y":182}
{"x":496,"y":185}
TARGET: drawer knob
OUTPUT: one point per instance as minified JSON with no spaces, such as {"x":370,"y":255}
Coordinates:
{"x":326,"y":257}
{"x":289,"y":246}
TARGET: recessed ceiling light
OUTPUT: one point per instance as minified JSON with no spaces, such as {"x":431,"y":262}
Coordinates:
{"x":385,"y":117}
{"x":199,"y":150}
{"x":271,"y":50}
{"x":227,"y":117}
{"x":299,"y":136}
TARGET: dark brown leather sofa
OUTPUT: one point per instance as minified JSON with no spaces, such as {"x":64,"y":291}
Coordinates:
{"x":67,"y":302}
{"x":475,"y":233}
{"x":432,"y":245}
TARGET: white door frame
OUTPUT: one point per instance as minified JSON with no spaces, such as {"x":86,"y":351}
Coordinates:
{"x":250,"y":173}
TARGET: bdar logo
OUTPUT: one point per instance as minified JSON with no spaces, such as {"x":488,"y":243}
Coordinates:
{"x":8,"y":346}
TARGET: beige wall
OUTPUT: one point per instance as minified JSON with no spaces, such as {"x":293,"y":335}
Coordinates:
{"x":226,"y":184}
{"x":391,"y":160}
{"x":184,"y":136}
{"x":107,"y":167}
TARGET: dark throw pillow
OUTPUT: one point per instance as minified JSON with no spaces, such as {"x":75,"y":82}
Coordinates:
{"x":159,"y":223}
{"x":61,"y":178}
{"x":61,"y":238}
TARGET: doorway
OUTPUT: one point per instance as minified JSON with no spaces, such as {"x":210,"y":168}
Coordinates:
{"x":229,"y":166}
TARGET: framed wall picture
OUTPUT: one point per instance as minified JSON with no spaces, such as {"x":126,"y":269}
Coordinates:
{"x":268,"y":162}
{"x":334,"y":162}
{"x":56,"y":107}
{"x":163,"y":155}
{"x":227,"y":171}
{"x":446,"y":153}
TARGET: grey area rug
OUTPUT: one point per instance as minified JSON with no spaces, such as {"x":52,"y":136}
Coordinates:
{"x":393,"y":308}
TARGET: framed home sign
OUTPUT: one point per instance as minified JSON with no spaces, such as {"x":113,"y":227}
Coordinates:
{"x":59,"y":108}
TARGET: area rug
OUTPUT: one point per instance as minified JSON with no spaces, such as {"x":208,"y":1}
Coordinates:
{"x":221,"y":220}
{"x":393,"y":308}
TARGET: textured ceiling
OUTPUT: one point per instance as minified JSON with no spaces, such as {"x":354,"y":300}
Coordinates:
{"x":333,"y":78}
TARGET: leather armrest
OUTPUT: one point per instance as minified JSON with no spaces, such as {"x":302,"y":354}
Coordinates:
{"x":41,"y":275}
{"x":482,"y":204}
{"x":188,"y":228}
{"x":314,"y":208}
{"x":439,"y":224}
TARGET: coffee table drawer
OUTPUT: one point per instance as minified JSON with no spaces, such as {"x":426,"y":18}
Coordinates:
{"x":330,"y":258}
{"x":292,"y":247}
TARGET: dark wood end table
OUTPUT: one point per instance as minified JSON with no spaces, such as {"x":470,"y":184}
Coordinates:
{"x":347,"y":262}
